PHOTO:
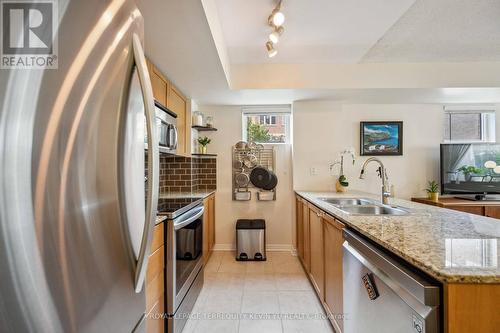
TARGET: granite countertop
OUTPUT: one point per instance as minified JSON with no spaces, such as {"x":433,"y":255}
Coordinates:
{"x":186,"y":195}
{"x":160,"y":219}
{"x":451,"y":246}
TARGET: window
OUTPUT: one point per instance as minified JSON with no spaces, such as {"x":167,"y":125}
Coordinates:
{"x":266,"y":124}
{"x":267,"y":120}
{"x":469,"y":124}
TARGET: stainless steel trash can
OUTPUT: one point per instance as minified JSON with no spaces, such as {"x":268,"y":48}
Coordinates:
{"x":251,"y":239}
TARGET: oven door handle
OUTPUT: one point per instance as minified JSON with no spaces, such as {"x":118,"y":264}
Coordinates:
{"x":188,"y":218}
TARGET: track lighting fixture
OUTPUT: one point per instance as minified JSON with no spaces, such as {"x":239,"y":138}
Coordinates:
{"x":275,"y":20}
{"x":271,"y":51}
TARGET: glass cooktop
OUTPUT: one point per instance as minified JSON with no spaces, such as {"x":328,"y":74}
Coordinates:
{"x":175,"y":206}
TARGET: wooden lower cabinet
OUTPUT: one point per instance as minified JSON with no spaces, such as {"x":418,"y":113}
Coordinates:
{"x":319,"y":247}
{"x":317,"y":273}
{"x":208,"y":227}
{"x":155,"y":318}
{"x":333,"y":240}
{"x":466,"y":307}
{"x":306,"y":260}
{"x":299,"y":228}
{"x":211,"y":224}
{"x":472,"y":308}
{"x":155,"y":283}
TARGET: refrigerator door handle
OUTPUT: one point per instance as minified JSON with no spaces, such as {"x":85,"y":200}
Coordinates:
{"x":153,"y":164}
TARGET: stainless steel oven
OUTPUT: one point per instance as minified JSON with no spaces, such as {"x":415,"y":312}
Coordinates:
{"x":184,"y":265}
{"x":166,"y":122}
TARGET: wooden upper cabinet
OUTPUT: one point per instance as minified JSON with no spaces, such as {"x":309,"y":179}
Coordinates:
{"x":317,"y":251}
{"x":159,"y":83}
{"x":333,"y":240}
{"x":178,"y":104}
{"x":159,"y":88}
{"x":169,"y":96}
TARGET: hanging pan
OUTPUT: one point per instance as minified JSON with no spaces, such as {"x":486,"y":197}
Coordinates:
{"x":260,"y":177}
{"x":272,"y":183}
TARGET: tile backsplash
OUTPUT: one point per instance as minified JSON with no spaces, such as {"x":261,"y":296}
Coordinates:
{"x":187,"y":174}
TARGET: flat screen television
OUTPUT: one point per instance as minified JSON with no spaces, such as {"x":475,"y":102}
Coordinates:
{"x":470,"y":168}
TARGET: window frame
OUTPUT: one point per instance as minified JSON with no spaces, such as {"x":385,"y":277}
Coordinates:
{"x":483,"y":111}
{"x":268,"y":112}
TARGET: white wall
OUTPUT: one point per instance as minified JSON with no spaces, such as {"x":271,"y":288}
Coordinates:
{"x":322,"y":129}
{"x":278,"y":214}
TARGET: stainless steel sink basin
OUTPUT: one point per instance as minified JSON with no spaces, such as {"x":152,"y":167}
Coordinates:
{"x":373,"y":210}
{"x":347,"y":201}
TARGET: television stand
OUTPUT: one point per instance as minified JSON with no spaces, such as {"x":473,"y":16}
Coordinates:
{"x":479,"y":197}
{"x":487,"y":207}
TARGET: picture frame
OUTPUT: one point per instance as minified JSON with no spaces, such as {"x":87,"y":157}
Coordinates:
{"x":381,"y":138}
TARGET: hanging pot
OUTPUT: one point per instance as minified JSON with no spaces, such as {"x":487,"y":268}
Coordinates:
{"x":241,"y":145}
{"x":250,"y":161}
{"x":272,"y":183}
{"x":260,"y":177}
{"x":238,"y":165}
{"x":241,"y":179}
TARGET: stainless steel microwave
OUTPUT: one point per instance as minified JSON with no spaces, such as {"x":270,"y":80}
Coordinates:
{"x":166,"y":121}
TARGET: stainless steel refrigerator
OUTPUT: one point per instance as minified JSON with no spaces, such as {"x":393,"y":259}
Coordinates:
{"x":76,"y":215}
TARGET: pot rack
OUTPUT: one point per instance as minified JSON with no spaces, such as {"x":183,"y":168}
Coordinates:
{"x":264,"y":157}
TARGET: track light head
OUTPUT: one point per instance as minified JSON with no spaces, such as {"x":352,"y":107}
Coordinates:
{"x":271,"y":51}
{"x":275,"y":35}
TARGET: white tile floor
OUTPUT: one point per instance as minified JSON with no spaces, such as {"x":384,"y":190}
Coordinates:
{"x":236,"y":295}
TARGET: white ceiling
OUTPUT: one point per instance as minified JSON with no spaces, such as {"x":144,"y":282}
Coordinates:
{"x":190,"y":44}
{"x":316,"y":31}
{"x":442,"y":30}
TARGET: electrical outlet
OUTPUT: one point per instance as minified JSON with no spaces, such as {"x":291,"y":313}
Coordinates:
{"x":313,"y":171}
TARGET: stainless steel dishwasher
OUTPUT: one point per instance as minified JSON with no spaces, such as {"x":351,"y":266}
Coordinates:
{"x":382,"y":296}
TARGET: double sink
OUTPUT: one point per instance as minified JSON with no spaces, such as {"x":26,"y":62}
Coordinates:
{"x":355,"y":206}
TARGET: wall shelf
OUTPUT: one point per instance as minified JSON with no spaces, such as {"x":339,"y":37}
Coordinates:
{"x":204,"y":128}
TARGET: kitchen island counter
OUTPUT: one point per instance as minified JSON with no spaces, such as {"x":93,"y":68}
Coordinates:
{"x":451,"y":246}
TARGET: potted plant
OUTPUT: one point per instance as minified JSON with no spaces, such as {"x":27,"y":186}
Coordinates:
{"x":433,"y":190}
{"x":203,"y":141}
{"x":341,"y":184}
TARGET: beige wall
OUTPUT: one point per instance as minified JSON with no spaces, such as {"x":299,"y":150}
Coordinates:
{"x":278,"y":214}
{"x":322,"y":129}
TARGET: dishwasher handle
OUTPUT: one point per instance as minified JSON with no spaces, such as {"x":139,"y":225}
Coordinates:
{"x":426,"y":292}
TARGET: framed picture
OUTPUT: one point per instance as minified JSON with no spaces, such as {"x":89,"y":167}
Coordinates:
{"x":381,"y":138}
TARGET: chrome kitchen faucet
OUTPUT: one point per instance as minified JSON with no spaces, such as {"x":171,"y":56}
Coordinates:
{"x":386,"y":192}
